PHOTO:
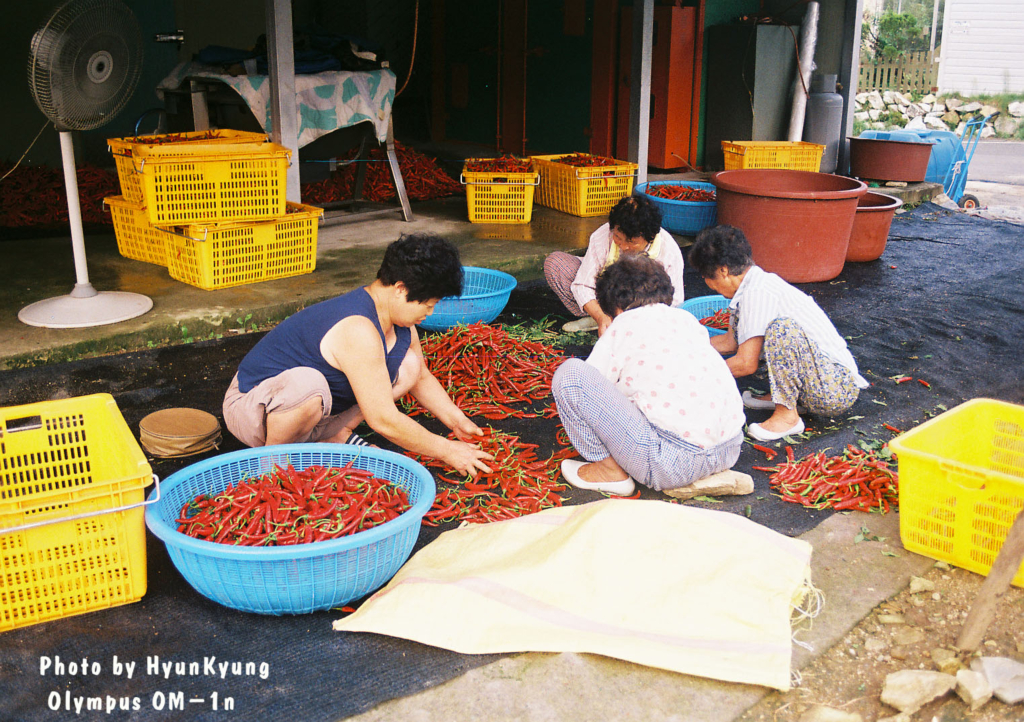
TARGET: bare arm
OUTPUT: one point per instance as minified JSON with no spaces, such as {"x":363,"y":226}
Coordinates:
{"x":747,"y":357}
{"x":593,"y":309}
{"x":353,"y":347}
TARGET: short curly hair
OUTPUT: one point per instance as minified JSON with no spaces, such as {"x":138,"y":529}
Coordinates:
{"x":427,"y":264}
{"x":632,"y":282}
{"x":636,"y":216}
{"x":721,"y":246}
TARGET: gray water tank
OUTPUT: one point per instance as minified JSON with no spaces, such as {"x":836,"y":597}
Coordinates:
{"x":824,"y":118}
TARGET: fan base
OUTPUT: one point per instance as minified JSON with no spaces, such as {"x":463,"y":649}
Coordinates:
{"x":70,"y":312}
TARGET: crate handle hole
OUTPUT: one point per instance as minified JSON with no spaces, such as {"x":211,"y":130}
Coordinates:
{"x":25,"y":423}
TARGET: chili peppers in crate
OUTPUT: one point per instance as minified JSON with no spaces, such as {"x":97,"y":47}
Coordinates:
{"x":582,"y":184}
{"x":499,"y":190}
{"x":687,"y":207}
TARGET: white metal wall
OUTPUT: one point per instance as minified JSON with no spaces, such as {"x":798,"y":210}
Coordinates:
{"x":982,"y":47}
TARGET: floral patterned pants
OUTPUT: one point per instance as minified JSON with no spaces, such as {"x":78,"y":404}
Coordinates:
{"x":799,"y":371}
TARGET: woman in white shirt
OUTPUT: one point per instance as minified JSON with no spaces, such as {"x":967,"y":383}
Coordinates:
{"x":808,"y":361}
{"x":654,"y":402}
{"x":634,"y":226}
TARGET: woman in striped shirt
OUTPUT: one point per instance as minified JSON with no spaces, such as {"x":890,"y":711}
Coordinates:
{"x":807,"y":359}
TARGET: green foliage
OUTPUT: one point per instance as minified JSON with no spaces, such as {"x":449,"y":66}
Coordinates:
{"x":894,"y":35}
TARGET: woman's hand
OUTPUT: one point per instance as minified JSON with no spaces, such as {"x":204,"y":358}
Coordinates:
{"x":467,"y":458}
{"x":466,"y":430}
{"x":603,"y":322}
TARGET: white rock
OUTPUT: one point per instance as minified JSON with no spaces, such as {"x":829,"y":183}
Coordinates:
{"x":987,"y":132}
{"x":972,"y":107}
{"x":951,"y":118}
{"x":973,"y":688}
{"x":924,"y":106}
{"x":1016,"y":109}
{"x":1008,"y":125}
{"x":914,"y":110}
{"x":878,"y":126}
{"x":891,"y":619}
{"x":988,"y":110}
{"x":930,"y":98}
{"x":861,"y":98}
{"x":910,"y":689}
{"x":874,"y":114}
{"x":888,"y":98}
{"x":952,"y":104}
{"x":901,"y":717}
{"x":960,"y":129}
{"x":862,"y":117}
{"x":902,"y":99}
{"x":876,"y":102}
{"x":916,"y":124}
{"x":935,"y":123}
{"x":875,"y":645}
{"x":906,"y":636}
{"x":945,"y":660}
{"x":1005,"y":675}
{"x":821,"y":713}
{"x":939,"y":108}
{"x":920,"y":584}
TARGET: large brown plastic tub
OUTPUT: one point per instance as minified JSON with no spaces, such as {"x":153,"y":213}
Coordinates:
{"x":889,"y":160}
{"x":871,"y":226}
{"x":798,"y":222}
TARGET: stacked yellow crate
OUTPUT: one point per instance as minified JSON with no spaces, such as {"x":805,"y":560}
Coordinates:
{"x":210,"y":205}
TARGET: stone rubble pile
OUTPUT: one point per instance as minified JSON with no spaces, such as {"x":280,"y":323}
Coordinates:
{"x":884,"y":110}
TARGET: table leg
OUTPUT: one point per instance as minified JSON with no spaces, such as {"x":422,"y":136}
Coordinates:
{"x":200,"y":111}
{"x":396,"y":173}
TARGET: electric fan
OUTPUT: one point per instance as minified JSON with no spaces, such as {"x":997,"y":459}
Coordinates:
{"x":83,"y":66}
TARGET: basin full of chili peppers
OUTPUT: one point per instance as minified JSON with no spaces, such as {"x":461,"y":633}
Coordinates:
{"x":292,"y":529}
{"x":687,"y":207}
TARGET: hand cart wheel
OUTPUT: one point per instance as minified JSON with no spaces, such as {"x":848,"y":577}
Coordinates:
{"x":969,"y":202}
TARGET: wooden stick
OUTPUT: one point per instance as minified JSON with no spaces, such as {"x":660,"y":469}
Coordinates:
{"x":995,"y":586}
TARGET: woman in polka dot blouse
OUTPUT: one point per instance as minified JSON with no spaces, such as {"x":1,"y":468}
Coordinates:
{"x":654,"y":402}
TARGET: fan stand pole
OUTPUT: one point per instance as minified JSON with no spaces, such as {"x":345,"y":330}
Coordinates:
{"x":82,"y":289}
{"x":84,"y":306}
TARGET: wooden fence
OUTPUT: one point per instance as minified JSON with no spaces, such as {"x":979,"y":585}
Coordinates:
{"x":917,"y":72}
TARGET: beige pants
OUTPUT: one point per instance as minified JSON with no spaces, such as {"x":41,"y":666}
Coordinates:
{"x":245,"y":415}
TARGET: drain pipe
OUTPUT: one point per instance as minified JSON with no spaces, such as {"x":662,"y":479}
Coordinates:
{"x":808,"y":40}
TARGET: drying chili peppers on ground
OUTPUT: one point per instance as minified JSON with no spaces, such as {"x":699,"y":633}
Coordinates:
{"x":718,"y":320}
{"x":854,"y":480}
{"x":585,"y":160}
{"x":34,"y":195}
{"x":484,"y":369}
{"x":504,"y":164}
{"x":286,"y":506}
{"x":681,"y":193}
{"x":520,"y":483}
{"x":424,"y":179}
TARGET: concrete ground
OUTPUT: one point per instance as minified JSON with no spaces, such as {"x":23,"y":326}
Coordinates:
{"x":853,"y":578}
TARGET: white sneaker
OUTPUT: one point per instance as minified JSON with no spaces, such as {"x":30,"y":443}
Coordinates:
{"x":762,"y":434}
{"x":571,"y":473}
{"x":587,"y":323}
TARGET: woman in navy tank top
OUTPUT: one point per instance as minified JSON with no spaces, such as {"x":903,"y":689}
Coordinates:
{"x":327,"y":368}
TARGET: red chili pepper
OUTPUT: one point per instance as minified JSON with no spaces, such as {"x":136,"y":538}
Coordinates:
{"x":718,"y":320}
{"x":770,"y":453}
{"x":924,"y":383}
{"x":585,"y":160}
{"x":681,"y":193}
{"x":893,"y":429}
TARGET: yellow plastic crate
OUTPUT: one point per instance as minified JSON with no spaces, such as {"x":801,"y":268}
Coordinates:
{"x":62,"y":459}
{"x":210,"y":183}
{"x":136,"y":237}
{"x":962,"y":483}
{"x":791,"y":155}
{"x":499,"y":197}
{"x":583,"y":192}
{"x":123,"y":150}
{"x":234,"y":254}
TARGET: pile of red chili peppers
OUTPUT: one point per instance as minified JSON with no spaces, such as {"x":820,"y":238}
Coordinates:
{"x":718,"y":320}
{"x":423,"y":177}
{"x":585,"y":160}
{"x":34,"y":195}
{"x":681,"y":193}
{"x":190,"y":137}
{"x":484,"y":369}
{"x":505,"y":164}
{"x":294,"y":507}
{"x":520,"y":483}
{"x":856,"y":479}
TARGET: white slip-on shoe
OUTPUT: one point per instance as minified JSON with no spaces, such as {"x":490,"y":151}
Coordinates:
{"x":762,"y":434}
{"x":571,"y":473}
{"x":587,"y":323}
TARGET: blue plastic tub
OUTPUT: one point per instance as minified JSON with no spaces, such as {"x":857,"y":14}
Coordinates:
{"x":299,"y":578}
{"x":484,"y":294}
{"x":683,"y":217}
{"x":704,"y":306}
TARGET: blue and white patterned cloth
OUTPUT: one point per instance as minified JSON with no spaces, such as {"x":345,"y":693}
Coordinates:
{"x":326,"y":101}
